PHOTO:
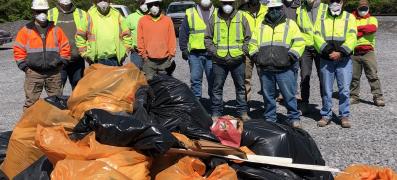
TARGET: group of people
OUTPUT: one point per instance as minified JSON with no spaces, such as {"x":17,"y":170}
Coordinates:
{"x":279,"y":37}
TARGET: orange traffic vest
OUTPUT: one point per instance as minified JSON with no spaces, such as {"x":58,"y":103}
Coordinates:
{"x":30,"y":51}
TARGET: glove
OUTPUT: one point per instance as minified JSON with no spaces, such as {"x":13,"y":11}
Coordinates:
{"x":327,"y":50}
{"x":185,"y":55}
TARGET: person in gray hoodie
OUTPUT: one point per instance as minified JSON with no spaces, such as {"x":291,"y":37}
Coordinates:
{"x":226,"y":39}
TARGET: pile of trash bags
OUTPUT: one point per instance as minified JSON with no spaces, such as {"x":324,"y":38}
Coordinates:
{"x":116,"y":125}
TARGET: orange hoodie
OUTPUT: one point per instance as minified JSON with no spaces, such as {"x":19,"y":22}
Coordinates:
{"x":156,"y":37}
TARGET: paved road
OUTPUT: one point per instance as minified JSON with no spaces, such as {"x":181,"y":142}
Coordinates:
{"x":371,"y":140}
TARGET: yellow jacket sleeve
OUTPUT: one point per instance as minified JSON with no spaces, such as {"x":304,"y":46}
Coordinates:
{"x":126,"y":34}
{"x":297,"y":40}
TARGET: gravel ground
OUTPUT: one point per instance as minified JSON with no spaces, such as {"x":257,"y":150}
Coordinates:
{"x":371,"y":140}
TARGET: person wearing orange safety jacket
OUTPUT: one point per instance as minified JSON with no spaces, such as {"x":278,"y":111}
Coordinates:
{"x":106,"y":39}
{"x":41,"y":49}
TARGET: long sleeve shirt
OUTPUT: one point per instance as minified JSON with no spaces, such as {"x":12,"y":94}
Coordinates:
{"x":156,"y":37}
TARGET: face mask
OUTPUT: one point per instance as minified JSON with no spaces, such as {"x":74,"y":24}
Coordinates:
{"x":363,"y":13}
{"x":275,"y":14}
{"x":205,"y":3}
{"x":310,"y":1}
{"x":103,"y":6}
{"x":227,"y":8}
{"x":42,"y":17}
{"x":65,"y":2}
{"x":335,"y":8}
{"x":143,"y":8}
{"x":289,"y":1}
{"x":154,"y":10}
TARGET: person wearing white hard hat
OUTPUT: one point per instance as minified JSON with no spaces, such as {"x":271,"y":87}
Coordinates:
{"x":71,"y":19}
{"x":132,"y":23}
{"x":156,"y":41}
{"x":106,"y":39}
{"x":41,"y":49}
{"x":226,"y":39}
{"x":276,"y":47}
{"x":191,"y":43}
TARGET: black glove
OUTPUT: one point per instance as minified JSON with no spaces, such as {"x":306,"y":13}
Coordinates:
{"x":327,"y":50}
{"x":185,"y":55}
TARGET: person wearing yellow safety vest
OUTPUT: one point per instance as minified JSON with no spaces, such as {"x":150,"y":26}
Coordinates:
{"x":226,"y":40}
{"x":276,"y":46}
{"x":335,"y":38}
{"x":106,"y":39}
{"x":191,"y":43}
{"x":132,"y":23}
{"x":307,"y":15}
{"x":68,"y":17}
{"x":253,"y":11}
{"x":364,"y":55}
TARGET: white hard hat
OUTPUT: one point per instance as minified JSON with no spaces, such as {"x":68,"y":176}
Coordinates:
{"x":150,"y":1}
{"x":274,"y":3}
{"x":40,"y":5}
{"x":227,"y":0}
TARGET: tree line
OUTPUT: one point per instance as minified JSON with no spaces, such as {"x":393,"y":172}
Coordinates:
{"x":13,"y":10}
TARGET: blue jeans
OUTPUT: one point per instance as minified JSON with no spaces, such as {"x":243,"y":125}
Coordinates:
{"x":136,"y":59}
{"x":199,"y":63}
{"x":342,"y":71}
{"x":220,"y":73}
{"x":109,"y":62}
{"x":287,"y":84}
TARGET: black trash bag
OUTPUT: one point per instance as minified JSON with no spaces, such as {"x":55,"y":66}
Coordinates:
{"x":271,"y":139}
{"x":60,"y":102}
{"x":127,"y":130}
{"x":3,"y":176}
{"x":175,"y":107}
{"x":254,"y":171}
{"x":4,"y":139}
{"x":39,"y":170}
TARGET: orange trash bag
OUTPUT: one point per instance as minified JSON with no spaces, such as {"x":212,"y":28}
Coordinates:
{"x":77,"y":169}
{"x":56,"y":145}
{"x":105,"y":87}
{"x":366,"y":172}
{"x":22,"y":151}
{"x":189,"y":168}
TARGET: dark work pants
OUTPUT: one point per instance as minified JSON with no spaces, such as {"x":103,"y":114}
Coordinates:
{"x":74,"y":71}
{"x":306,"y":66}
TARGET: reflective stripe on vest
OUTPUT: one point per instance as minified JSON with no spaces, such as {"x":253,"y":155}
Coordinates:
{"x":197,"y":29}
{"x":234,"y":48}
{"x":40,"y":49}
{"x":283,"y":43}
{"x":328,"y":38}
{"x":193,"y":29}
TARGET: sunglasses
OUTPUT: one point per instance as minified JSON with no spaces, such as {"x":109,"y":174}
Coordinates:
{"x":363,"y":8}
{"x":337,"y":1}
{"x":149,"y":5}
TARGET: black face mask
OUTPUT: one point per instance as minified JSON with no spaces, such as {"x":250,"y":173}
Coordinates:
{"x":275,"y":14}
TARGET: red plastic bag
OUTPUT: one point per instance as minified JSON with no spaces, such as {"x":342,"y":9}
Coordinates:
{"x":227,"y":132}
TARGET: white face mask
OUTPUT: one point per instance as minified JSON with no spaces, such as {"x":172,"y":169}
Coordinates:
{"x":205,"y":3}
{"x":310,"y":1}
{"x":363,"y":13}
{"x":42,"y":17}
{"x":65,"y":2}
{"x":143,"y":8}
{"x":246,"y":1}
{"x":155,"y":10}
{"x":103,"y":6}
{"x":335,"y":8}
{"x":227,"y":8}
{"x":289,"y":1}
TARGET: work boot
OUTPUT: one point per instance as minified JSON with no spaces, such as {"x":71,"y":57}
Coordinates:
{"x":354,"y":100}
{"x":296,"y":124}
{"x":304,"y":107}
{"x":245,"y":117}
{"x":323,"y":122}
{"x":379,"y":102}
{"x":345,"y":122}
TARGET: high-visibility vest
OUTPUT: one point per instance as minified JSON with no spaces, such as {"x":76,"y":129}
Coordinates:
{"x":305,"y":23}
{"x":277,"y":42}
{"x":369,"y":39}
{"x":132,"y":23}
{"x":197,"y":28}
{"x":229,"y":39}
{"x":256,"y":21}
{"x":79,"y":16}
{"x":86,"y":39}
{"x":338,"y":31}
{"x":29,"y":48}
